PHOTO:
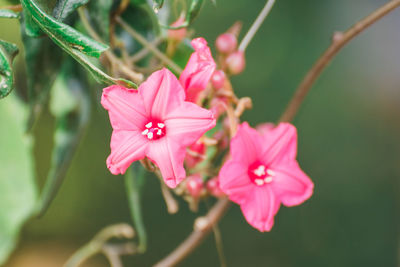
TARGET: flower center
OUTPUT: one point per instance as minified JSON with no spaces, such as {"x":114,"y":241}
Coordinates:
{"x":259,"y":174}
{"x":154,"y":130}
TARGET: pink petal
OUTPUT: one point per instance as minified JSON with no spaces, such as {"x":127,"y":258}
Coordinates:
{"x":161,"y":93}
{"x":168,"y":155}
{"x":264,"y":128}
{"x":198,"y":70}
{"x":260,"y":209}
{"x":126,"y":147}
{"x":125,"y":107}
{"x":187,"y":123}
{"x":291,"y":184}
{"x":246,"y":145}
{"x":234,"y":181}
{"x":280,"y":144}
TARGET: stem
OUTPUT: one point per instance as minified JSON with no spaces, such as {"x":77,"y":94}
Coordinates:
{"x":338,"y":42}
{"x":149,"y":45}
{"x":16,"y":8}
{"x":203,"y":226}
{"x":256,"y":25}
{"x":134,"y":76}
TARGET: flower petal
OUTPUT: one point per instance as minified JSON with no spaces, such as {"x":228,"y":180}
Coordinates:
{"x":246,"y":145}
{"x":198,"y":70}
{"x":187,"y":123}
{"x":161,"y":92}
{"x":125,"y":107}
{"x":234,"y":181}
{"x":280,"y":144}
{"x":261,"y":207}
{"x":126,"y":147}
{"x":168,"y":155}
{"x":291,"y":184}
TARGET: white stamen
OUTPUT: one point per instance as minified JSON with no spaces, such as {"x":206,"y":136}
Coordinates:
{"x":259,"y":181}
{"x":150,"y":135}
{"x":145,"y":131}
{"x":268,"y":179}
{"x":149,"y":125}
{"x":159,"y":132}
{"x":260,"y":171}
{"x":270,"y":172}
{"x":161,"y":125}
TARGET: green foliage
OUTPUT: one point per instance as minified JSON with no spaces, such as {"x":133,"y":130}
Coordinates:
{"x":64,"y":8}
{"x":182,"y":53}
{"x":194,"y":10}
{"x":8,"y":14}
{"x":134,"y":182}
{"x":17,"y":186}
{"x":7,"y":53}
{"x":70,"y":104}
{"x":157,"y":4}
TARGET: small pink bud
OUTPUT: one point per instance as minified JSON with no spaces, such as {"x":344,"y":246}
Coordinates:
{"x":195,"y":154}
{"x":180,"y":34}
{"x":218,"y":79}
{"x":236,"y":62}
{"x":226,"y":43}
{"x":194,"y":185}
{"x":213,"y":187}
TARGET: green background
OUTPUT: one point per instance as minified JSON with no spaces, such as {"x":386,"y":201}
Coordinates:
{"x":349,"y":145}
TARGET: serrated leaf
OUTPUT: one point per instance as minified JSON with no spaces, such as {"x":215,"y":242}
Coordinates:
{"x":71,"y":38}
{"x":8,"y":14}
{"x":18,"y":190}
{"x":7,"y":53}
{"x":64,"y":8}
{"x":70,"y":104}
{"x":134,"y":183}
{"x":99,"y":13}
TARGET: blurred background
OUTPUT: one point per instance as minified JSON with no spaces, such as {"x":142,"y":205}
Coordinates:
{"x":349,"y":144}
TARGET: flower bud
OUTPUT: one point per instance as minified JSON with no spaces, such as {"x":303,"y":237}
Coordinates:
{"x":218,"y":79}
{"x":195,"y":154}
{"x":235,"y":62}
{"x":226,"y":43}
{"x":217,"y":106}
{"x":180,"y":34}
{"x":213,"y":187}
{"x":194,"y":185}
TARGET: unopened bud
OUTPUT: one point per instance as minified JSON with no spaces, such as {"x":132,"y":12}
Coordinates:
{"x":226,"y":43}
{"x":179,"y":34}
{"x":218,"y":79}
{"x":213,"y":187}
{"x":236,"y":62}
{"x":194,"y":185}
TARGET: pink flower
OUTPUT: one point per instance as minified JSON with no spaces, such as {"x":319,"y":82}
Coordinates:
{"x":156,"y":122}
{"x":179,"y":34}
{"x":198,"y":70}
{"x":263,"y":173}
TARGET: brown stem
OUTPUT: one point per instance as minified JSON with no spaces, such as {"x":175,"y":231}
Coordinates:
{"x":16,"y":8}
{"x":203,"y":226}
{"x":339,"y":40}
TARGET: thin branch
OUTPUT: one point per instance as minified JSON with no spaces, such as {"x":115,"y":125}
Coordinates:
{"x":115,"y":61}
{"x":256,"y":25}
{"x":339,"y":40}
{"x":16,"y":8}
{"x":149,"y":45}
{"x":203,"y":226}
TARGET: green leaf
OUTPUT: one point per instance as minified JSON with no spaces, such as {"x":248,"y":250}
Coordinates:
{"x":31,"y":28}
{"x":71,"y":41}
{"x":99,"y":13}
{"x":138,"y":2}
{"x":71,"y":38}
{"x":157,"y":5}
{"x":64,"y":8}
{"x":70,"y":104}
{"x":7,"y":53}
{"x":18,"y":191}
{"x":194,"y":10}
{"x":8,"y":14}
{"x":134,"y":183}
